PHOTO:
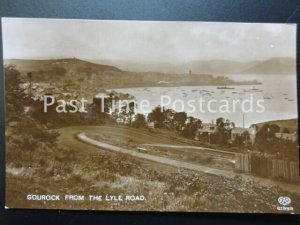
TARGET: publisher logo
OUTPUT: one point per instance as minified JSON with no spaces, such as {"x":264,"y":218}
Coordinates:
{"x":285,"y":202}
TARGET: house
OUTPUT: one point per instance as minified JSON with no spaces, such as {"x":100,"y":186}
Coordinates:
{"x":207,"y":128}
{"x":239,"y":136}
{"x":239,"y":132}
{"x":287,"y":136}
{"x":150,"y":125}
{"x":282,"y":133}
{"x":203,"y":134}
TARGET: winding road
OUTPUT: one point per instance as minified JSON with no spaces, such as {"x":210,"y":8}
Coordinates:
{"x":159,"y":159}
{"x":178,"y":147}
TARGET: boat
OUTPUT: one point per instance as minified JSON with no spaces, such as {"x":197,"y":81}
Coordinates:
{"x":267,"y":97}
{"x":253,"y":90}
{"x":225,"y":88}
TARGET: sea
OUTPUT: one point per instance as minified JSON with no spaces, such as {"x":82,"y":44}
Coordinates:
{"x":274,"y":99}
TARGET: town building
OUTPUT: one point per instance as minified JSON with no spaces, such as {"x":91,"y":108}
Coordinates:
{"x":287,"y":136}
{"x":204,"y":133}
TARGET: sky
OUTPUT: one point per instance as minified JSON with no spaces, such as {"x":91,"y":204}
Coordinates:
{"x":147,"y":41}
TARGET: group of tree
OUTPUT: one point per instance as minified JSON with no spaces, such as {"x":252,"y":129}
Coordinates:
{"x":15,"y":98}
{"x":26,"y":131}
{"x":160,"y":118}
{"x":266,"y":141}
{"x":179,"y":121}
{"x":223,"y":131}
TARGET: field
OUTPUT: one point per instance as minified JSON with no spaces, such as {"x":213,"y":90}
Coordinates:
{"x":164,"y":143}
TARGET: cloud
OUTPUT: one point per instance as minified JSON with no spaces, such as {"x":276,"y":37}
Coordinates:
{"x":173,"y":42}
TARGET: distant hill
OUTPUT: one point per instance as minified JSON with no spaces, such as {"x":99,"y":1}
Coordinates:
{"x":28,"y":64}
{"x":273,"y":66}
{"x":68,"y":63}
{"x":56,"y":69}
{"x":290,"y":124}
{"x":218,"y":66}
{"x":141,"y":66}
{"x":215,"y":67}
{"x":270,"y":66}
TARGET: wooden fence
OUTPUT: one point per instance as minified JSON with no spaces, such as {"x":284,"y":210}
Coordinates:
{"x":266,"y":166}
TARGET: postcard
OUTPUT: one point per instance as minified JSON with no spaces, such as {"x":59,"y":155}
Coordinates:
{"x":151,"y":116}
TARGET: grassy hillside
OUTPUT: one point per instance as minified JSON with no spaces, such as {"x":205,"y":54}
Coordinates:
{"x":68,"y":64}
{"x":59,"y":69}
{"x":291,"y":124}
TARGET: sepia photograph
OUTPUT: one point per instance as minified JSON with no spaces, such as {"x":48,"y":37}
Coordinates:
{"x":117,"y":115}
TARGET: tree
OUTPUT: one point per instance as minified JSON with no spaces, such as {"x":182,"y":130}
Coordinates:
{"x":286,"y":130}
{"x":224,"y":128}
{"x":242,"y":139}
{"x":168,"y":117}
{"x":274,"y":128}
{"x":12,"y":78}
{"x":140,"y":121}
{"x":14,"y":96}
{"x":265,"y":138}
{"x":179,"y":120}
{"x":156,"y":116}
{"x":229,"y":125}
{"x":29,"y":76}
{"x":191,"y":128}
{"x":220,"y":122}
{"x":128,"y":111}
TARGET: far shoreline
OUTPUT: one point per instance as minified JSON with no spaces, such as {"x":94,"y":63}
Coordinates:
{"x":184,"y":85}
